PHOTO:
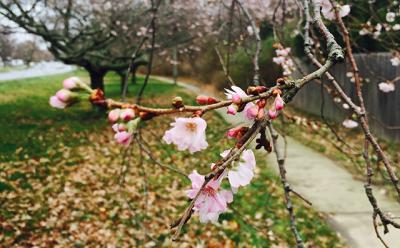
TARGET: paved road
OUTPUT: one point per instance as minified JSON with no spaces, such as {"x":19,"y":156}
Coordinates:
{"x":331,"y":189}
{"x":38,"y":70}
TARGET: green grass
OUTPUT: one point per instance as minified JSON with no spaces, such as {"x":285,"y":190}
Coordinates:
{"x":48,"y":153}
{"x":30,"y":127}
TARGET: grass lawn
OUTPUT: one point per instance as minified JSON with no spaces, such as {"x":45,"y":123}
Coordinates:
{"x":60,"y":172}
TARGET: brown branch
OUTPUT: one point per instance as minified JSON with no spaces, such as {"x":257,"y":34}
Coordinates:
{"x":363,"y":119}
{"x":280,"y":157}
{"x":256,"y":77}
{"x":224,"y":68}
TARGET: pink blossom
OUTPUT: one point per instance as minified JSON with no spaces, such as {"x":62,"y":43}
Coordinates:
{"x":71,"y":83}
{"x":349,"y":123}
{"x":236,"y":99}
{"x":187,"y":133}
{"x":236,"y":132}
{"x":242,"y":174}
{"x":118,"y":127}
{"x":272,"y":113}
{"x":235,"y":91}
{"x":278,"y":60}
{"x":64,"y":95}
{"x":386,"y":87}
{"x":113,"y":115}
{"x":123,"y":138}
{"x":283,"y":52}
{"x":328,"y":11}
{"x":232,"y":109}
{"x":127,"y":114}
{"x":251,"y":111}
{"x":278,"y":102}
{"x":57,"y":103}
{"x":212,"y":201}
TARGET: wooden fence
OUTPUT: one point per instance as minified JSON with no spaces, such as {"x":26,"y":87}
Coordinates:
{"x":383,"y":109}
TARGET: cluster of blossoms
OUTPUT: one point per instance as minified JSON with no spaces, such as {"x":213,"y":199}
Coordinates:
{"x":124,"y":124}
{"x":283,"y":59}
{"x":189,"y":134}
{"x":328,"y":11}
{"x":212,"y":199}
{"x":68,"y":95}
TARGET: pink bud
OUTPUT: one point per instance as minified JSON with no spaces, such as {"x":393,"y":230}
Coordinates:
{"x":57,"y":103}
{"x":279,"y":103}
{"x":260,"y":114}
{"x":64,"y":95}
{"x":71,"y":83}
{"x":232,"y":132}
{"x":117,"y":127}
{"x":113,"y":115}
{"x":236,"y":99}
{"x":272,"y":114}
{"x":127,"y":114}
{"x":232,"y":109}
{"x":252,"y":112}
{"x":123,"y":138}
{"x":202,"y":100}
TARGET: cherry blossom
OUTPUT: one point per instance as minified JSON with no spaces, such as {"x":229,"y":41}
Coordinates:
{"x":241,"y":174}
{"x":283,"y":59}
{"x":328,"y":11}
{"x":349,"y":123}
{"x":187,"y":133}
{"x":386,"y":87}
{"x":390,"y":17}
{"x":236,"y":94}
{"x":395,"y":61}
{"x":212,"y":201}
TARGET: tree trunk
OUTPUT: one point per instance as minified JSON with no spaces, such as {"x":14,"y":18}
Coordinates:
{"x":123,"y":76}
{"x":97,"y":79}
{"x":133,"y":75}
{"x":175,"y":65}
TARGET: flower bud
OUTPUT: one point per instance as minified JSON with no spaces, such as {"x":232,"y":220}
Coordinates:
{"x":177,"y":102}
{"x":113,"y":115}
{"x":260,"y":114}
{"x":252,"y":112}
{"x":236,"y":99}
{"x":278,"y":103}
{"x":232,"y":109}
{"x":118,"y":127}
{"x":272,"y":114}
{"x":276,"y":92}
{"x":64,"y":95}
{"x":205,"y":100}
{"x":123,"y":138}
{"x":256,"y":90}
{"x":127,"y":114}
{"x":57,"y":103}
{"x":72,"y":83}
